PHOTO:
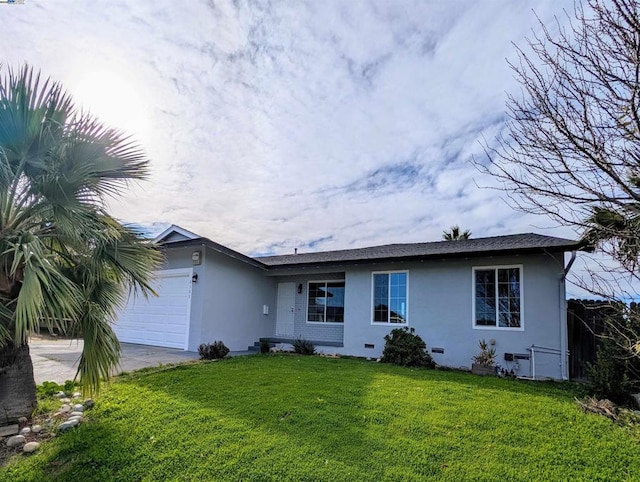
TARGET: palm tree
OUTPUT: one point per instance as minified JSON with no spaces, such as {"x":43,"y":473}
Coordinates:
{"x":64,"y":261}
{"x":454,"y":234}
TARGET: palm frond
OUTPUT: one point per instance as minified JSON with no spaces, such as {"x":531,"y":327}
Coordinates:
{"x":45,"y":292}
{"x":6,"y":317}
{"x":455,"y":234}
{"x":621,"y":228}
{"x":101,"y":350}
{"x":63,"y":261}
{"x":131,"y":257}
{"x":32,"y":115}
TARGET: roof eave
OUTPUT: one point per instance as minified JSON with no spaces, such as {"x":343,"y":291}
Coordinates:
{"x":405,"y":259}
{"x":216,"y":247}
{"x":174,"y":228}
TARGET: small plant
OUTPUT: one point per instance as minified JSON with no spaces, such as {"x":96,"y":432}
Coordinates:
{"x":404,"y":347}
{"x":49,"y":389}
{"x":303,"y":347}
{"x":265,"y":347}
{"x":213,"y":351}
{"x":487,"y":355}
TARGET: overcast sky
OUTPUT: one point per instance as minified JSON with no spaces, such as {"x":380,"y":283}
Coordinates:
{"x":310,"y":124}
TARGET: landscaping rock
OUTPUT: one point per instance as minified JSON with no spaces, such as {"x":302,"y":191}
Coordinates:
{"x":89,"y":403}
{"x":36,"y":429}
{"x":30,"y":447}
{"x":77,"y":394}
{"x":61,"y":394}
{"x":77,"y":418}
{"x":65,"y":408}
{"x":9,"y":430}
{"x":76,"y":414}
{"x":16,"y":440}
{"x":25,"y":431}
{"x":78,"y":407}
{"x":22,"y":420}
{"x":68,"y":424}
{"x":66,"y":400}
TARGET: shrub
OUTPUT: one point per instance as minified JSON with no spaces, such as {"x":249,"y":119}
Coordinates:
{"x":613,"y":375}
{"x":49,"y":389}
{"x":487,"y":356}
{"x":213,"y":351}
{"x":303,"y":347}
{"x":404,"y":347}
{"x":265,"y":347}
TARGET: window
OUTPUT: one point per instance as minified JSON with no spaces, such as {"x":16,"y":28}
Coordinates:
{"x":326,"y":302}
{"x":498,"y":297}
{"x":390,"y":297}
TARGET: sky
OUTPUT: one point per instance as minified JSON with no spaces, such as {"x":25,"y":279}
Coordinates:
{"x":317,"y":125}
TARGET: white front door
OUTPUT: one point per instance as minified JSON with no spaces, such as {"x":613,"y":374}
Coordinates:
{"x":286,"y":309}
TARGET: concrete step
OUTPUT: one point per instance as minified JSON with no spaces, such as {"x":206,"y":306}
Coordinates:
{"x":256,"y":346}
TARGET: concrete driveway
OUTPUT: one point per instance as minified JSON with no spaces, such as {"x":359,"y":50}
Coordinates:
{"x":57,"y":360}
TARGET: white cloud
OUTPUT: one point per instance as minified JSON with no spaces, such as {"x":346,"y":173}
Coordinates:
{"x":276,"y":125}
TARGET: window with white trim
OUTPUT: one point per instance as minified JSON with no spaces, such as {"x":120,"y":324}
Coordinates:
{"x":497,"y":297}
{"x":325,"y":302}
{"x":390,"y":297}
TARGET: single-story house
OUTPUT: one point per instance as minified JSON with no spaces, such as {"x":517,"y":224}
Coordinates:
{"x":507,"y":290}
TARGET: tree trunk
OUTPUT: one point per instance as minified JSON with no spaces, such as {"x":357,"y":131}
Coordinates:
{"x":17,"y":385}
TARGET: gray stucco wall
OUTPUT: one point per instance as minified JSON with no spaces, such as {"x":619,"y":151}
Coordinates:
{"x":440,"y":309}
{"x":227,"y":299}
{"x":232,"y":307}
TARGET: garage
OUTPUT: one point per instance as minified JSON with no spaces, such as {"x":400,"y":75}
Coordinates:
{"x":161,"y":320}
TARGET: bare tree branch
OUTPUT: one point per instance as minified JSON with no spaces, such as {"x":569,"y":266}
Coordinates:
{"x":571,"y":145}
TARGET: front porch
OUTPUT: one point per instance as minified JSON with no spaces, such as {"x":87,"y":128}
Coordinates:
{"x":274,"y":340}
{"x":310,"y":307}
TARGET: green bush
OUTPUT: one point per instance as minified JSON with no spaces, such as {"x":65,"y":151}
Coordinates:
{"x":303,"y":347}
{"x":404,"y":347}
{"x":614,"y":374}
{"x":49,"y":389}
{"x":265,"y":347}
{"x":213,"y":351}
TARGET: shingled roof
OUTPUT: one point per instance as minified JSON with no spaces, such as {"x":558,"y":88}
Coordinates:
{"x":497,"y":245}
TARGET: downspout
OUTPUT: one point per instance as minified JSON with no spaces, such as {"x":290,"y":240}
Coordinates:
{"x":564,"y":353}
{"x":569,"y":265}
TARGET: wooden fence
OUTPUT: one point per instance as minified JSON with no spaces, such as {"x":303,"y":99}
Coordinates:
{"x":585,"y":321}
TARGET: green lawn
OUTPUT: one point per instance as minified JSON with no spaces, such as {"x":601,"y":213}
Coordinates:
{"x":296,"y":418}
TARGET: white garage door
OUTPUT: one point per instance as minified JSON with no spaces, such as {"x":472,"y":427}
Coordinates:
{"x":161,"y":320}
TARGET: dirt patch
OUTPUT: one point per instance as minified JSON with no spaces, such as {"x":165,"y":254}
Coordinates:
{"x":8,"y":452}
